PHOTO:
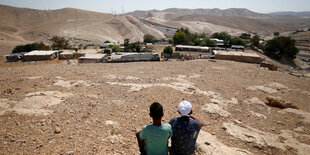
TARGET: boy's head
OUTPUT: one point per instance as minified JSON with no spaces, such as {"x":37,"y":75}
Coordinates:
{"x":156,"y":111}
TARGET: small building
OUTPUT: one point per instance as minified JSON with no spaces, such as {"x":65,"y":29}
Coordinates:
{"x":237,"y":47}
{"x":218,"y":42}
{"x":239,"y":56}
{"x":133,"y":57}
{"x":192,"y":48}
{"x":67,"y":54}
{"x":14,"y":57}
{"x":40,"y":55}
{"x":92,"y":58}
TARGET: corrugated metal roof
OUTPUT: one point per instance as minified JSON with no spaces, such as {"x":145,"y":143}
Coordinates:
{"x":194,"y":47}
{"x":93,"y":56}
{"x":40,"y":53}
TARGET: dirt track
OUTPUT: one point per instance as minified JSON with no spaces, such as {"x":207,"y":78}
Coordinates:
{"x":97,"y":108}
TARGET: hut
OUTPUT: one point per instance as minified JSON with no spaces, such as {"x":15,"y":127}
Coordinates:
{"x":92,"y":58}
{"x":40,"y":55}
{"x":67,"y":54}
{"x":133,"y":57}
{"x":14,"y":57}
{"x":239,"y":56}
{"x":237,"y":47}
{"x":192,"y":48}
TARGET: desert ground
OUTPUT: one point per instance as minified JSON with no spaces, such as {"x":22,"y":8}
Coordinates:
{"x":97,"y":108}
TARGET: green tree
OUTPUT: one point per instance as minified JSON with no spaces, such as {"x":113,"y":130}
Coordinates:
{"x":276,"y":33}
{"x":126,"y":42}
{"x":116,"y":48}
{"x":280,"y":47}
{"x":255,"y":40}
{"x":236,"y":41}
{"x":168,"y":50}
{"x":223,"y":36}
{"x":60,"y":43}
{"x":134,"y":47}
{"x":31,"y":47}
{"x":179,"y":38}
{"x":245,"y":36}
{"x":149,"y":38}
{"x":209,"y":43}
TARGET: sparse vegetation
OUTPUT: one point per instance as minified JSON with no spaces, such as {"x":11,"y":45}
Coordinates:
{"x":280,"y":47}
{"x":149,"y":38}
{"x":245,"y":36}
{"x":132,"y":47}
{"x":31,"y":47}
{"x":276,"y":34}
{"x":60,"y":43}
{"x":116,"y":48}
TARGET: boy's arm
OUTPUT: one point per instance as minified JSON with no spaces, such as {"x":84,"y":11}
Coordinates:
{"x":201,"y":123}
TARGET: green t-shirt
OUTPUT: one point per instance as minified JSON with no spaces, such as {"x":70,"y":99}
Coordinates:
{"x":156,"y":138}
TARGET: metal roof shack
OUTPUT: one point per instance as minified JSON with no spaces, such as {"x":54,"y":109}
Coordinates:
{"x":192,"y":48}
{"x":14,"y":57}
{"x":237,"y":47}
{"x":67,"y":54}
{"x":40,"y":55}
{"x":92,"y":58}
{"x":133,"y":57}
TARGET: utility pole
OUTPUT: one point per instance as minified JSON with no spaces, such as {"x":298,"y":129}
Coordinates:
{"x":76,"y":19}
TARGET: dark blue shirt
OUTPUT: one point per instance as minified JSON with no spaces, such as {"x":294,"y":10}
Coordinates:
{"x":185,"y":132}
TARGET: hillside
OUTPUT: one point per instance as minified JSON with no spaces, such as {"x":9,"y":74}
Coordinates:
{"x":230,"y":20}
{"x":21,"y":25}
{"x":291,"y":13}
{"x":215,"y":12}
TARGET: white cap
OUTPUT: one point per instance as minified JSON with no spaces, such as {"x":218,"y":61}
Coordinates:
{"x":185,"y":108}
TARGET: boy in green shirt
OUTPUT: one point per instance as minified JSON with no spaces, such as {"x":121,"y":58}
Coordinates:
{"x":153,"y":139}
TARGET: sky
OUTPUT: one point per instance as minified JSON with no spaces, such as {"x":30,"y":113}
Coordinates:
{"x":106,"y":6}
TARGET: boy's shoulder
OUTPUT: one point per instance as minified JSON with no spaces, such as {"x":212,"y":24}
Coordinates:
{"x":166,"y":125}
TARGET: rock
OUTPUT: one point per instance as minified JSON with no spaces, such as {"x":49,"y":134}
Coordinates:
{"x":253,"y":101}
{"x":270,"y":66}
{"x":278,"y":102}
{"x":209,"y":145}
{"x":263,"y":139}
{"x":305,"y":116}
{"x":57,"y":130}
{"x":215,"y":109}
{"x":111,"y":123}
{"x":70,"y":152}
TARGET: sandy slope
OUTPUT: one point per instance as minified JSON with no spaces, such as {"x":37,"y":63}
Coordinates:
{"x":97,"y":108}
{"x":81,"y":26}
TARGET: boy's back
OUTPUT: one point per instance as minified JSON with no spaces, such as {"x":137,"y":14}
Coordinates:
{"x":185,"y":133}
{"x":156,"y":138}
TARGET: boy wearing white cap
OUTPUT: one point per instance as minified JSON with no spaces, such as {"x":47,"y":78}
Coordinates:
{"x":185,"y":131}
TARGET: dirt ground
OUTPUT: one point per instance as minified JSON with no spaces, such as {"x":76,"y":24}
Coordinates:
{"x":97,"y":108}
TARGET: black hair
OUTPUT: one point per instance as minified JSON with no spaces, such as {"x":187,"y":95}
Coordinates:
{"x":156,"y":110}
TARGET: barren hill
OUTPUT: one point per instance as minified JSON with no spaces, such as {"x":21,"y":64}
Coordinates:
{"x":230,"y":20}
{"x":21,"y":25}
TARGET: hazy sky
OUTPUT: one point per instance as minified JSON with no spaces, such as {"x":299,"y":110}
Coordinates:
{"x":263,"y":6}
